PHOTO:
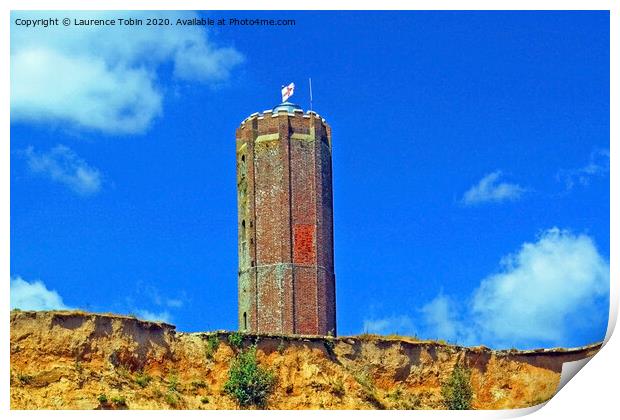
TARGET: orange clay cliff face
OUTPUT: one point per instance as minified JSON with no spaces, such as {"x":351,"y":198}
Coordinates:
{"x":77,"y":360}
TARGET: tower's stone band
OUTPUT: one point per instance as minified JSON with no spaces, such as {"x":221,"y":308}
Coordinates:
{"x":286,"y":247}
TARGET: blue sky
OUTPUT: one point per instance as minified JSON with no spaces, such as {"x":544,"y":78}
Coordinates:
{"x":470,"y":158}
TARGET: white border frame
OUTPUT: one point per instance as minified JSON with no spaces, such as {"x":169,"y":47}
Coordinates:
{"x":594,"y":394}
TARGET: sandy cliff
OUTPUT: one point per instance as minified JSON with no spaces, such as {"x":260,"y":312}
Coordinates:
{"x":70,"y":359}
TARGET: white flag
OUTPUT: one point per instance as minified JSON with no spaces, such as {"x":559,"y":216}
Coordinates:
{"x":287,"y":91}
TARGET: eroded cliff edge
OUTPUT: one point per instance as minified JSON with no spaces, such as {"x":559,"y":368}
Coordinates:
{"x":69,"y":359}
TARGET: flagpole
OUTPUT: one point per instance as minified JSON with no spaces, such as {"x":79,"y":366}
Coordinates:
{"x":310,"y":82}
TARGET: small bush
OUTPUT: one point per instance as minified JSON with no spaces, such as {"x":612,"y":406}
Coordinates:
{"x":102,"y":398}
{"x":213,"y":343}
{"x":24,"y":379}
{"x":395,"y":395}
{"x":369,"y":391}
{"x":402,"y":400}
{"x":249,"y":383}
{"x":204,"y":400}
{"x":172,"y":399}
{"x":456,"y":391}
{"x":119,"y":401}
{"x":143,"y":379}
{"x":236,"y":339}
{"x":330,"y":345}
{"x":198,"y":384}
{"x":364,"y":378}
{"x":173,"y":383}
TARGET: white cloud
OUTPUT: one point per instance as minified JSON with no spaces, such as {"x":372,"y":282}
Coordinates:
{"x":160,"y":307}
{"x":490,"y":189}
{"x":48,"y":85}
{"x":544,"y":293}
{"x":437,"y":319}
{"x":34,"y":296}
{"x":156,"y":297}
{"x":541,"y":290}
{"x":106,"y":78}
{"x":597,"y":166}
{"x":397,"y":325}
{"x":440,"y":319}
{"x":62,"y":165}
{"x":147,"y":315}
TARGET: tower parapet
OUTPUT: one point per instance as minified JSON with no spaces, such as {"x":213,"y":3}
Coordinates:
{"x":285,"y":219}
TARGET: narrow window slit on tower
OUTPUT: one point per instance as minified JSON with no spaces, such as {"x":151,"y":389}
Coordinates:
{"x":245,"y":321}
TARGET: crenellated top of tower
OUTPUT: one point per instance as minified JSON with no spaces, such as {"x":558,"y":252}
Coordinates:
{"x":285,"y":108}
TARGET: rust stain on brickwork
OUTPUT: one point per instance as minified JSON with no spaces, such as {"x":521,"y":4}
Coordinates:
{"x":304,"y":244}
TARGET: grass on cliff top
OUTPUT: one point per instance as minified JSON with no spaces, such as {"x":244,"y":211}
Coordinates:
{"x":369,"y":336}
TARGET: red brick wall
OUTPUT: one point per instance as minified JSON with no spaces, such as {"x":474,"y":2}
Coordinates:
{"x":286,"y":265}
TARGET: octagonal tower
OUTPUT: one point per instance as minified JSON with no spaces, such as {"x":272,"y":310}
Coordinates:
{"x":285,"y":209}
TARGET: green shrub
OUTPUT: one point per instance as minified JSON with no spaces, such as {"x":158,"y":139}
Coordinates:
{"x":142,"y":379}
{"x":204,"y":400}
{"x":369,"y":392}
{"x":249,"y":383}
{"x":330,"y":345}
{"x":456,"y":391}
{"x":236,"y":339}
{"x":172,"y":399}
{"x":119,"y":401}
{"x":173,"y":383}
{"x":395,"y":395}
{"x":213,"y":343}
{"x":102,"y":398}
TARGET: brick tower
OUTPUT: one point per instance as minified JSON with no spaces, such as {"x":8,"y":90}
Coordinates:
{"x":286,"y":246}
